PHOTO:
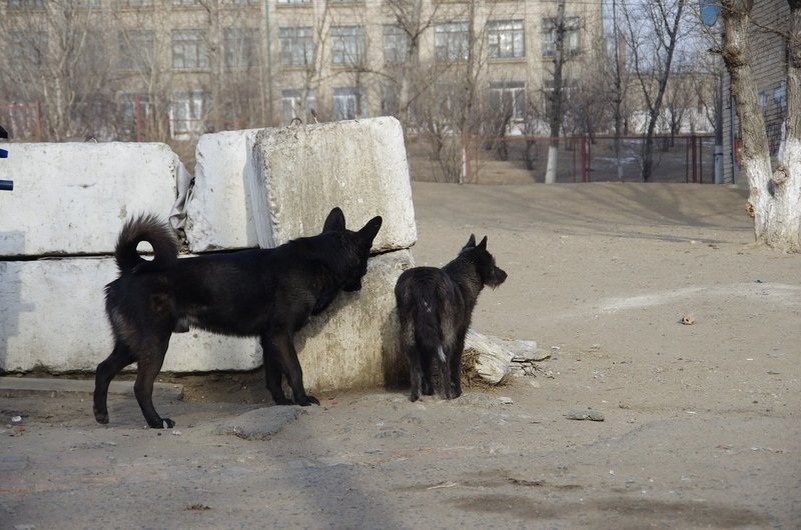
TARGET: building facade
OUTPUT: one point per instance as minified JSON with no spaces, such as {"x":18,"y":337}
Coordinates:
{"x":170,"y":70}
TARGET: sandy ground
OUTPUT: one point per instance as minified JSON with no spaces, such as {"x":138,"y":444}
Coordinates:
{"x":702,"y":422}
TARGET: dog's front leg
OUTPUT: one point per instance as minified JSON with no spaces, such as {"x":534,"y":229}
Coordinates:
{"x":280,"y":348}
{"x":273,"y":371}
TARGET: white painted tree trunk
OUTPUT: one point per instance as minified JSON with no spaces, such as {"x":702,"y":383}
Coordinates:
{"x":550,"y":170}
{"x":775,"y":196}
{"x":777,"y":220}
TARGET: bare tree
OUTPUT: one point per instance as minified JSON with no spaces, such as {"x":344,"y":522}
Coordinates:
{"x":406,"y":71}
{"x":774,"y":201}
{"x":56,"y":58}
{"x":654,"y":30}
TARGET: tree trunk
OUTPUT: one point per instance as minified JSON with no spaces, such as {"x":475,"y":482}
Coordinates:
{"x":782,"y":229}
{"x":556,"y":96}
{"x":775,"y":197}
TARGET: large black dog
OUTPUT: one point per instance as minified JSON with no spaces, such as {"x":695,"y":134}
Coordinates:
{"x":268,"y":293}
{"x":435,"y":307}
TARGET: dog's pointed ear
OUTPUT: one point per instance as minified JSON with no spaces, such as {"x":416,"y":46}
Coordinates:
{"x":370,"y":230}
{"x":483,"y":244}
{"x":471,"y":242}
{"x":335,"y":222}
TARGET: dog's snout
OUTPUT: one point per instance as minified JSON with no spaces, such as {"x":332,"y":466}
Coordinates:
{"x":500,"y":276}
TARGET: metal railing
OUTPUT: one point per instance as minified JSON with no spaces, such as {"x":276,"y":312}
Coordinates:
{"x":5,"y":185}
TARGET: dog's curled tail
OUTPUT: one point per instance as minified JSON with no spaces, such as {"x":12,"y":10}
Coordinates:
{"x":149,"y":228}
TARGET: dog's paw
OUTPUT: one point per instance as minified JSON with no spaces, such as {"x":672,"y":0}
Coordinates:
{"x":162,"y":423}
{"x":305,"y":401}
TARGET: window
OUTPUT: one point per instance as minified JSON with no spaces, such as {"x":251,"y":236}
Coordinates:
{"x":189,"y":49}
{"x":396,"y":43}
{"x":291,"y":2}
{"x":549,"y":36}
{"x":137,"y":111}
{"x":349,"y":104}
{"x":186,"y":2}
{"x":90,"y":4}
{"x":506,"y":39}
{"x":390,"y":99}
{"x":297,"y":46}
{"x":242,"y":2}
{"x":451,"y":41}
{"x":25,"y":4}
{"x":568,"y":87}
{"x":28,"y":48}
{"x":135,"y":3}
{"x":509,"y":96}
{"x":187,"y":114}
{"x":241,"y":47}
{"x":347,"y":45}
{"x":137,"y":50}
{"x":291,"y":107}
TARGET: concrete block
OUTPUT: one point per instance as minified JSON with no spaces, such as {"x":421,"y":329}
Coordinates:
{"x":53,"y":317}
{"x":23,"y":386}
{"x":303,"y":171}
{"x":71,"y":198}
{"x":353,"y":343}
{"x":218,"y":212}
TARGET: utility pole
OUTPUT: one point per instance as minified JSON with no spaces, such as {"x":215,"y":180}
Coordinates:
{"x":618,"y":94}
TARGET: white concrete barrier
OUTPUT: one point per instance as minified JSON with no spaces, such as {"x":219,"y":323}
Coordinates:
{"x":303,"y":171}
{"x":218,"y":212}
{"x":72,"y":198}
{"x":53,"y":318}
{"x":354,"y":343}
{"x":253,"y":187}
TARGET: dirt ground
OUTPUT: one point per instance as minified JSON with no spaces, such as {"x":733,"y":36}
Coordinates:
{"x":702,"y":422}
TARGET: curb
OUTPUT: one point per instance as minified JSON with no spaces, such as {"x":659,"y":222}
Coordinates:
{"x":25,"y":386}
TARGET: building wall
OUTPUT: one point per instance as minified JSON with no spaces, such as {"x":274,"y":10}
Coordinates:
{"x":769,"y":63}
{"x":253,"y":96}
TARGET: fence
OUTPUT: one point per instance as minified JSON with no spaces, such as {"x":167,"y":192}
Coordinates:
{"x":523,"y":159}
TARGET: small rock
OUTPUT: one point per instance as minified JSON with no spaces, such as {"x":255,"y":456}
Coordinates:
{"x":589,"y":414}
{"x":505,"y":400}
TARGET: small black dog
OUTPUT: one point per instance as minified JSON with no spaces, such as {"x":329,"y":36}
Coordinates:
{"x":268,"y":293}
{"x":434,"y":308}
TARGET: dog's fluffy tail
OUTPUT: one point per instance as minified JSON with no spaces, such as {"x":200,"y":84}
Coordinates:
{"x":151,"y":229}
{"x":428,"y":334}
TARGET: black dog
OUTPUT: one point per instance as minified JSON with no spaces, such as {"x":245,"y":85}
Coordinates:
{"x":434,"y":308}
{"x":268,"y":293}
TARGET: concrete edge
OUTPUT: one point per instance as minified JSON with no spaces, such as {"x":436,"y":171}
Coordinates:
{"x":24,"y":386}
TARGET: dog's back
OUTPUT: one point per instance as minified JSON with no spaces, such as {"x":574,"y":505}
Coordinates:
{"x":427,"y":301}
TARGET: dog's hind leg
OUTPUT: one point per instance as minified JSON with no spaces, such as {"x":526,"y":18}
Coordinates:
{"x":456,"y":367}
{"x":420,"y":381}
{"x":444,"y":377}
{"x":280,"y":348}
{"x":119,"y":358}
{"x":148,"y":368}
